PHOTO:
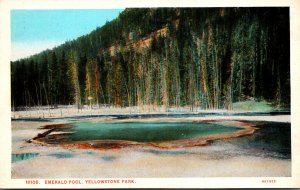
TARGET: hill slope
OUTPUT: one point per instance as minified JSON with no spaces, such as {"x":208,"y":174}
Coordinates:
{"x":196,"y":57}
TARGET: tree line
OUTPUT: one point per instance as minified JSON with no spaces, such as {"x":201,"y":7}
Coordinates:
{"x":206,"y":58}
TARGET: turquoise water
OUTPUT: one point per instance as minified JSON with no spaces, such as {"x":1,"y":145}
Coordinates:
{"x":61,"y":155}
{"x":23,"y":156}
{"x":145,"y":131}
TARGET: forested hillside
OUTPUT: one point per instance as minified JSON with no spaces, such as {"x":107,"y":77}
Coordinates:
{"x":204,"y":58}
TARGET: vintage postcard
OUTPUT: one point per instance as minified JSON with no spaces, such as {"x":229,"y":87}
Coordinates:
{"x":154,"y":94}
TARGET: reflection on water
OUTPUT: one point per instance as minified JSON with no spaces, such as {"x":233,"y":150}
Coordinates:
{"x":145,"y":131}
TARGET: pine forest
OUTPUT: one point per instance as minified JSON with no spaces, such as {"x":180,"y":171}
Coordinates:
{"x":161,"y":58}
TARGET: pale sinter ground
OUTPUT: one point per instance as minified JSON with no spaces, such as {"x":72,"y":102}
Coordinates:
{"x":219,"y":159}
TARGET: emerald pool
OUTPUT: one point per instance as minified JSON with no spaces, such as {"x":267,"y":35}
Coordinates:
{"x":145,"y":131}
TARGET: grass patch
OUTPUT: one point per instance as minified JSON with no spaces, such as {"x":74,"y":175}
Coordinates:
{"x":252,"y":105}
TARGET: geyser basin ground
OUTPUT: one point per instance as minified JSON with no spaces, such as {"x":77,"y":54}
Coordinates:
{"x":266,"y":151}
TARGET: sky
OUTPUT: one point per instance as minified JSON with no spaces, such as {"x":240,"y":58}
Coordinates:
{"x":33,"y":31}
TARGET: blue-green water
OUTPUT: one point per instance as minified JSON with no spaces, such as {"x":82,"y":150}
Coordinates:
{"x":27,"y":156}
{"x":23,"y":156}
{"x":61,"y":155}
{"x":145,"y":131}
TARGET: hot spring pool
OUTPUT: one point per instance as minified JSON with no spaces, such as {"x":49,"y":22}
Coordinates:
{"x":145,"y":131}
